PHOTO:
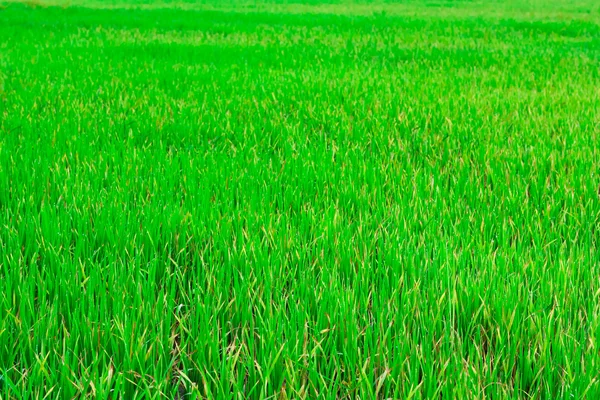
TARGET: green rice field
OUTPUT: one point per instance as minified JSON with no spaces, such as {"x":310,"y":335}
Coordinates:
{"x":316,"y":200}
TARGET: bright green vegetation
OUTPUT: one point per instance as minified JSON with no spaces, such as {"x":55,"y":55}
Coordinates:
{"x":286,"y":201}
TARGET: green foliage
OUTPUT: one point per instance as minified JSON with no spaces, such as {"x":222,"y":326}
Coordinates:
{"x":290,"y":201}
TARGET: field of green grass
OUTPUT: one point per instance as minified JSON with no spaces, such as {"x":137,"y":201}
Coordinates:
{"x":342,"y":200}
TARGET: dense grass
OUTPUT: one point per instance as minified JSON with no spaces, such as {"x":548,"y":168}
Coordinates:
{"x":300,"y":201}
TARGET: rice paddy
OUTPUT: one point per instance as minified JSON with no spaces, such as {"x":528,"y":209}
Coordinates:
{"x":219,"y":200}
